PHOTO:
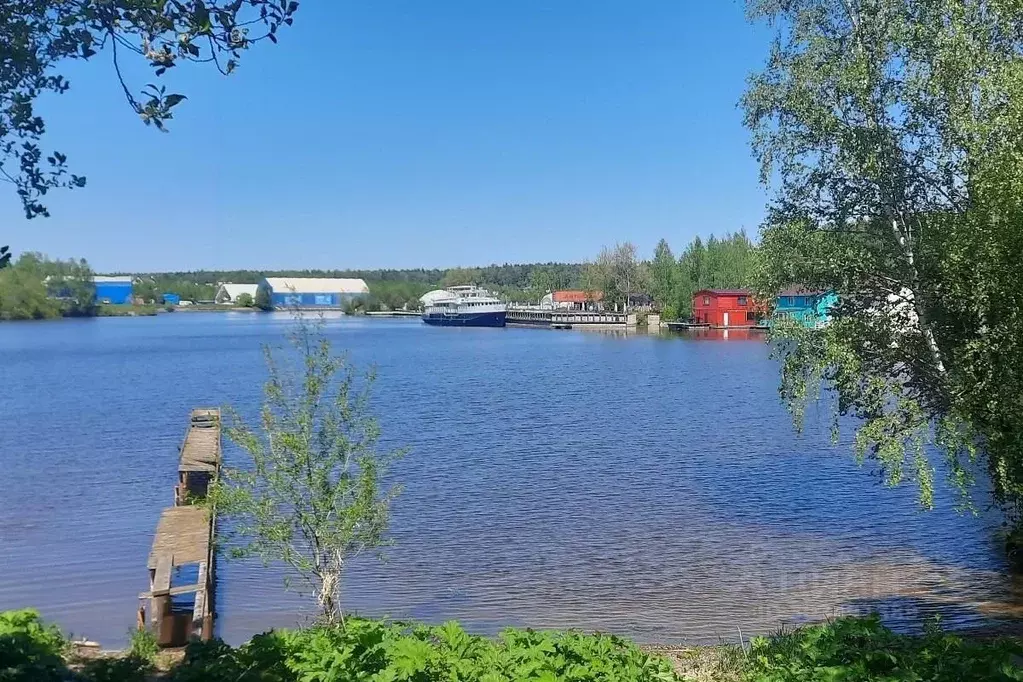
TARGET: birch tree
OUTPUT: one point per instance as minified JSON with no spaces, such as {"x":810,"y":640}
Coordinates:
{"x":891,"y":130}
{"x":615,"y":274}
{"x":314,"y":494}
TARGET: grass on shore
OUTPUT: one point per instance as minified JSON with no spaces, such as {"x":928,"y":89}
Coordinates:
{"x":843,"y":650}
{"x":124,"y":310}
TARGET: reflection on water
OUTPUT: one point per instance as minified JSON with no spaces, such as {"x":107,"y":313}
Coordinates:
{"x":648,"y":485}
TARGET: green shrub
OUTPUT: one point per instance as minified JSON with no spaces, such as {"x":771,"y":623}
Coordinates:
{"x":29,"y":650}
{"x":861,"y":649}
{"x":378,"y":651}
{"x":142,"y":645}
{"x":129,"y":668}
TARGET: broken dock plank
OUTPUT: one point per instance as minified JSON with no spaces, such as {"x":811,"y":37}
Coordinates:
{"x":182,"y":533}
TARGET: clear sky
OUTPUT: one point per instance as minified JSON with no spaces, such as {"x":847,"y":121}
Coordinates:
{"x":408,"y":133}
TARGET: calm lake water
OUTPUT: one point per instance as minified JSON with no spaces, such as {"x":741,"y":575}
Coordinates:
{"x":648,"y":486}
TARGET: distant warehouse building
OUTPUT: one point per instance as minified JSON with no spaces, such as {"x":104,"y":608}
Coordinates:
{"x":113,"y":289}
{"x":308,"y":292}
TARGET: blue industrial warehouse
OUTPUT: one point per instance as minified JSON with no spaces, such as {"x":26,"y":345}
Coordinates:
{"x":309,"y":292}
{"x":113,"y":289}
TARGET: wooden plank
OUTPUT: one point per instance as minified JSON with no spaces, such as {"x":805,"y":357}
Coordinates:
{"x":199,"y":611}
{"x":173,"y":592}
{"x":158,"y":601}
{"x":184,"y":533}
{"x":162,"y":578}
{"x":201,"y":449}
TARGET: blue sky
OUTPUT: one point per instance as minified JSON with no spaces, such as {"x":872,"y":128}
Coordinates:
{"x":403,"y":133}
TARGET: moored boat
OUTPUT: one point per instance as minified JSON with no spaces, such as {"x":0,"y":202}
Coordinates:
{"x":465,"y":306}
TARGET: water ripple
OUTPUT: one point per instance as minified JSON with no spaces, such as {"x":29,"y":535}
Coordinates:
{"x":647,"y":486}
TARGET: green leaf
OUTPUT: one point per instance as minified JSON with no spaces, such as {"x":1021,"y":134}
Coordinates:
{"x":172,"y":100}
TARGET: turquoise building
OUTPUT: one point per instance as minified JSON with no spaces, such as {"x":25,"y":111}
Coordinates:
{"x":809,"y":308}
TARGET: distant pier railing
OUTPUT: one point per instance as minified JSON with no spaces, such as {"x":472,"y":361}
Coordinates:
{"x":569,"y":318}
{"x":183,"y":547}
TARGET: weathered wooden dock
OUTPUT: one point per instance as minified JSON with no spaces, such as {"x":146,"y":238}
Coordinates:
{"x":569,"y":319}
{"x":182,"y":560}
{"x":200,"y":455}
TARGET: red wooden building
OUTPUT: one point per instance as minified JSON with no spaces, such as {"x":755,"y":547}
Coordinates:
{"x":726,"y":308}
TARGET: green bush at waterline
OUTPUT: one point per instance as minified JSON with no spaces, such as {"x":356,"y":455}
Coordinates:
{"x":378,"y":651}
{"x":863,"y":650}
{"x":845,"y":650}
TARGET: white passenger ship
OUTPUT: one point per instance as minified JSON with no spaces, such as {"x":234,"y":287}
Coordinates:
{"x":467,"y":306}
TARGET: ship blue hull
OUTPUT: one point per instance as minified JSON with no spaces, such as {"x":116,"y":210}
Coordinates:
{"x":469,"y":320}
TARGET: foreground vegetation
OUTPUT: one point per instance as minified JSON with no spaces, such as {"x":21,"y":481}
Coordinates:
{"x":907,"y":199}
{"x":848,"y":649}
{"x":37,"y":288}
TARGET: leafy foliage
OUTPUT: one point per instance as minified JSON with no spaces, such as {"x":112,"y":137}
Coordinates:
{"x":718,"y":263}
{"x":263,"y":299}
{"x":389,"y":289}
{"x":152,"y":288}
{"x":36,"y":36}
{"x":402,"y":652}
{"x":395,"y":295}
{"x":894,"y":129}
{"x":863,"y":650}
{"x":314,"y":497}
{"x":546,"y":279}
{"x":128,"y":668}
{"x":36,"y":287}
{"x":847,"y":649}
{"x":30,"y":651}
{"x":664,"y":275}
{"x":244,"y":301}
{"x":615,"y":274}
{"x":143,"y":645}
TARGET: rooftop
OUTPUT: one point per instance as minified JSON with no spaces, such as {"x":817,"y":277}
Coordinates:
{"x":317,"y":285}
{"x":576,"y":296}
{"x":723,"y":292}
{"x":235,"y":290}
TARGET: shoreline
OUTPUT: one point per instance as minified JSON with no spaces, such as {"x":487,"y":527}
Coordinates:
{"x":725,"y":662}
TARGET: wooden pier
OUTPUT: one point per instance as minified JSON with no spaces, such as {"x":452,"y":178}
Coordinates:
{"x":182,"y":561}
{"x":569,"y":319}
{"x":200,"y":456}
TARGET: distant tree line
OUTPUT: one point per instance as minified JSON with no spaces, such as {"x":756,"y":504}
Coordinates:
{"x":151,"y":288}
{"x":615,"y":274}
{"x":618,"y":275}
{"x":35,"y":288}
{"x":390,"y":289}
{"x":718,"y":263}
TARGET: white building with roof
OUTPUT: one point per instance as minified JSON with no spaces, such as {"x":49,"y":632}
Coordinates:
{"x":228,"y":292}
{"x":312,"y":292}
